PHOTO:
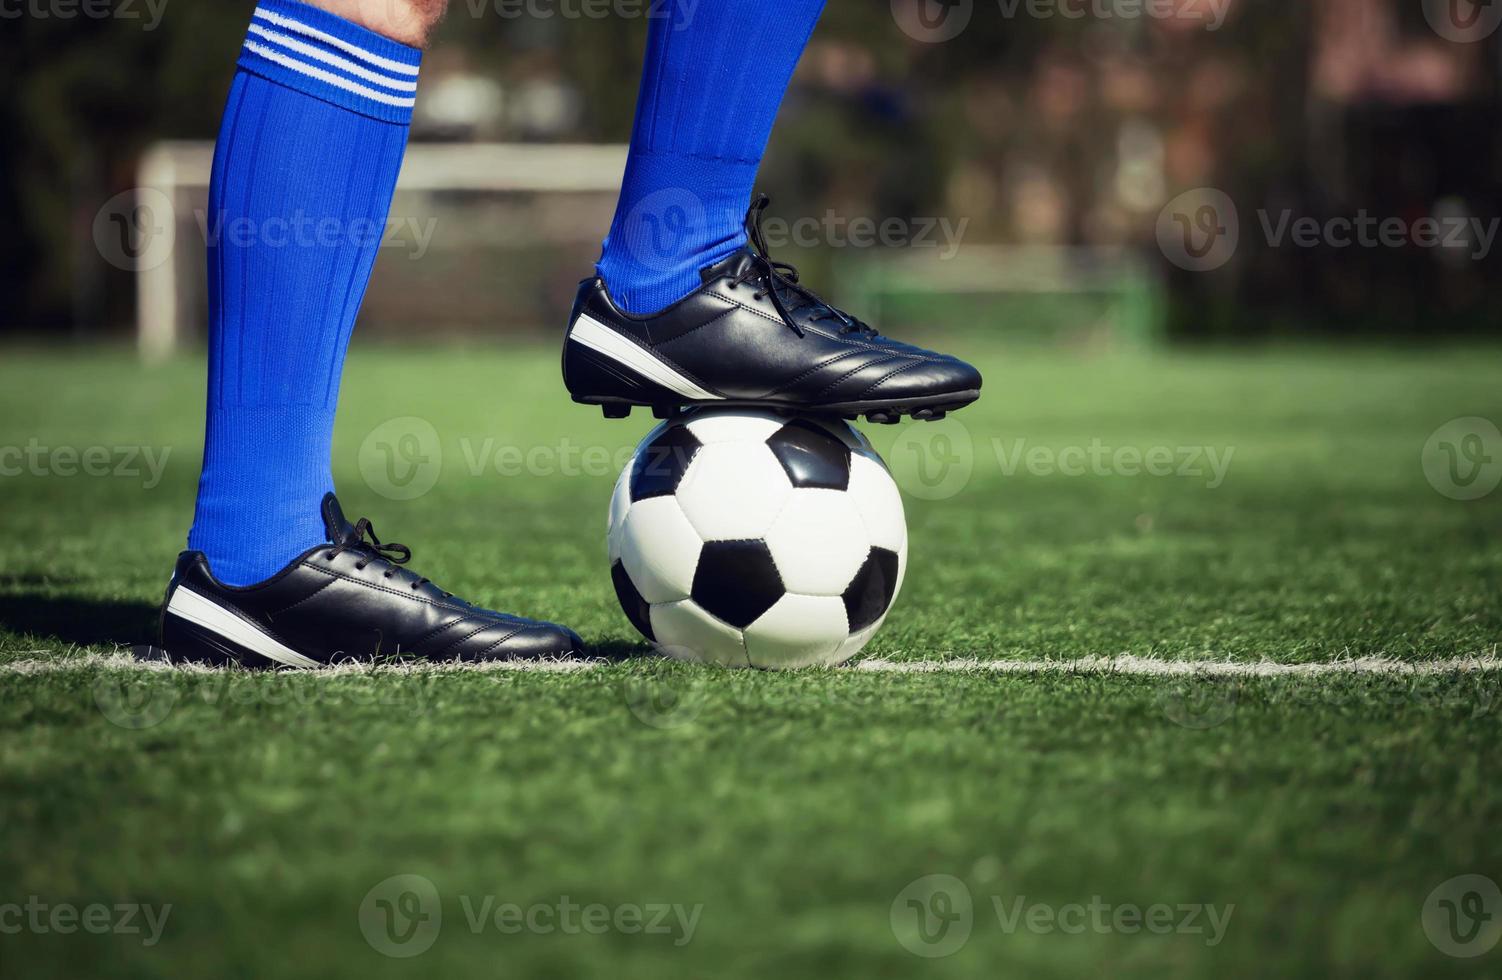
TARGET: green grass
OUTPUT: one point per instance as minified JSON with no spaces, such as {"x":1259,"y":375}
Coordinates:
{"x":792,"y":809}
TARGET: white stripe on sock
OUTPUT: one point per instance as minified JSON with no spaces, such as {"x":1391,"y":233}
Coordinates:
{"x":213,"y":617}
{"x":288,"y":23}
{"x":318,"y":54}
{"x":338,"y":81}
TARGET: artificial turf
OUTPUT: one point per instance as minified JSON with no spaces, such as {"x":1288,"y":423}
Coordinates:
{"x":792,"y":810}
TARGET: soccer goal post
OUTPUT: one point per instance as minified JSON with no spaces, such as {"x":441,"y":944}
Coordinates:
{"x":175,"y":176}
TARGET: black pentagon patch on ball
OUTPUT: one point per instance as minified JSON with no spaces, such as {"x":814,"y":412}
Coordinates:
{"x":636,"y":608}
{"x":659,"y":467}
{"x":871,"y":591}
{"x":811,"y":455}
{"x":736,"y":581}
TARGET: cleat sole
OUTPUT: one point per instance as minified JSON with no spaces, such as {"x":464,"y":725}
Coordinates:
{"x":928,"y":408}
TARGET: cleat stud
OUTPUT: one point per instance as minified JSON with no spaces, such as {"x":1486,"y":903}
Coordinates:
{"x":664,"y":411}
{"x":616,"y":411}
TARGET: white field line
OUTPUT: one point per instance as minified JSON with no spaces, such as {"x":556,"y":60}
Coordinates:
{"x":1122,"y":664}
{"x":1130,"y":664}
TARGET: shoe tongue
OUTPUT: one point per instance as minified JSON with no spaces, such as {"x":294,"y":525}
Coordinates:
{"x":732,"y":265}
{"x":338,"y":528}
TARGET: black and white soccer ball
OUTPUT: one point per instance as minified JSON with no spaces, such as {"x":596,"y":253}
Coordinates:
{"x":749,"y":538}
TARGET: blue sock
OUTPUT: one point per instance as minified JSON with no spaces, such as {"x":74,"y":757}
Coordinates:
{"x":714,"y":76}
{"x":304,"y":170}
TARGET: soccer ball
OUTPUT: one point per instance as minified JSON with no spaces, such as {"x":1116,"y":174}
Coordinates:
{"x":753,"y":539}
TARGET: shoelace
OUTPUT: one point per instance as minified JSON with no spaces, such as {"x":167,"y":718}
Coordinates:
{"x":771,"y":274}
{"x":390,"y":553}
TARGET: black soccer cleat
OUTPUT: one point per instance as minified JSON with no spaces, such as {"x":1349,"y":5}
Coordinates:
{"x":752,"y":336}
{"x":347,"y":600}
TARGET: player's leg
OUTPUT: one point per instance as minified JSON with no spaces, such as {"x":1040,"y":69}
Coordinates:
{"x":682,"y":312}
{"x":304,"y":170}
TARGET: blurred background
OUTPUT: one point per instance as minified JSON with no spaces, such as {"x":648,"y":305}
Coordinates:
{"x":1098,"y":172}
